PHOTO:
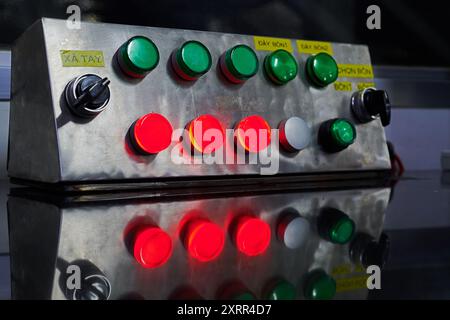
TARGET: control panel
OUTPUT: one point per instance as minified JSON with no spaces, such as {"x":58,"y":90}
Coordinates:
{"x":279,"y":245}
{"x":114,"y":102}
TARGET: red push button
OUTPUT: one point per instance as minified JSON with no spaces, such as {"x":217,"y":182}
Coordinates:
{"x":253,"y":133}
{"x":252,"y":236}
{"x":152,"y":247}
{"x":206,"y":133}
{"x":204,"y":240}
{"x":151,"y":133}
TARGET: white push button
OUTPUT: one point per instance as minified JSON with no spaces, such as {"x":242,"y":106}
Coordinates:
{"x":295,"y":134}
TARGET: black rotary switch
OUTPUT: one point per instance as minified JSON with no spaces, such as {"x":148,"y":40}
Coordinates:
{"x":364,"y":249}
{"x":369,"y":104}
{"x":87,"y":95}
{"x":336,"y":134}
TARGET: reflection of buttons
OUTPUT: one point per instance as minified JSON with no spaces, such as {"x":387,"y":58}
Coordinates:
{"x":253,"y":133}
{"x":282,"y":290}
{"x":321,"y":69}
{"x":235,"y":290}
{"x":295,"y":134}
{"x":151,"y":133}
{"x":319,"y":285}
{"x":252,"y":235}
{"x":138,"y":56}
{"x":191,"y":60}
{"x":336,"y":134}
{"x":293,"y":230}
{"x":204,"y":240}
{"x":152,"y":247}
{"x":364,"y":249}
{"x":335,"y":226}
{"x":280,"y":66}
{"x":239,"y":63}
{"x":206,"y":134}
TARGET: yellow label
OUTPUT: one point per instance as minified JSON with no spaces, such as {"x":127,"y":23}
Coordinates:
{"x":365,"y":85}
{"x":272,"y":44}
{"x":354,"y":283}
{"x":313,"y":47}
{"x":355,"y":71}
{"x":82,"y":58}
{"x":343,"y":86}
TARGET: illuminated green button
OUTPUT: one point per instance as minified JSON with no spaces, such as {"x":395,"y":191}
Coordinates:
{"x":240,"y":63}
{"x":193,"y":60}
{"x":319,"y":285}
{"x":281,"y":66}
{"x":321,"y":69}
{"x":283,"y":290}
{"x":138,"y":56}
{"x":343,"y":132}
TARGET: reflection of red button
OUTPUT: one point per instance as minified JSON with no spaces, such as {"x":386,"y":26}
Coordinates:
{"x":206,"y":133}
{"x":253,"y":133}
{"x":151,"y":133}
{"x":252,"y":236}
{"x":204,"y":240}
{"x":152,"y":247}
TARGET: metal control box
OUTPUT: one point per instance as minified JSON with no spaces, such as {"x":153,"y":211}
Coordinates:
{"x":92,"y":232}
{"x":49,"y":143}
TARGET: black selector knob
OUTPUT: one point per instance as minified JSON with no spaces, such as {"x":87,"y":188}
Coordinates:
{"x":93,"y":284}
{"x":369,"y":104}
{"x":87,"y":95}
{"x":364,"y":249}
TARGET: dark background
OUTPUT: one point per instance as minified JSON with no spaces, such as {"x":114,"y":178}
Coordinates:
{"x":414,"y":33}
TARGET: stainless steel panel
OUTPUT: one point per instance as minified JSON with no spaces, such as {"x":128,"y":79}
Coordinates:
{"x":95,"y":150}
{"x":96,"y":232}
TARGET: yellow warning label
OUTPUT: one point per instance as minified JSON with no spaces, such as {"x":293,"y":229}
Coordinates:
{"x":82,"y":58}
{"x":354,"y":283}
{"x":343,"y":86}
{"x":355,"y":71}
{"x":313,"y":47}
{"x":272,"y":44}
{"x":365,"y":85}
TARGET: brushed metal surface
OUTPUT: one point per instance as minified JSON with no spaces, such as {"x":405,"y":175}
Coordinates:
{"x":96,"y":233}
{"x":95,"y":150}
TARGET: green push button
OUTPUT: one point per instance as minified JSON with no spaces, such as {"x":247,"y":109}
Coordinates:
{"x":343,"y":132}
{"x":240,"y":63}
{"x":342,"y":231}
{"x":138,"y":56}
{"x":335,"y":226}
{"x":321,"y":69}
{"x":192,"y":60}
{"x":283,"y":290}
{"x":319,"y":285}
{"x":281,"y":66}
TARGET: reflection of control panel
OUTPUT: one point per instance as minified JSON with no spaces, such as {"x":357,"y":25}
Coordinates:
{"x":109,"y":102}
{"x":277,"y":245}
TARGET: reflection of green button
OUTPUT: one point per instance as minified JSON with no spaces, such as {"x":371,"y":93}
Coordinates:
{"x":244,"y":296}
{"x":193,"y":58}
{"x":322,"y":69}
{"x":319,"y":285}
{"x":241,"y":61}
{"x":342,"y":231}
{"x":283,"y":291}
{"x":139,"y":55}
{"x":281,"y":66}
{"x":343,"y":132}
